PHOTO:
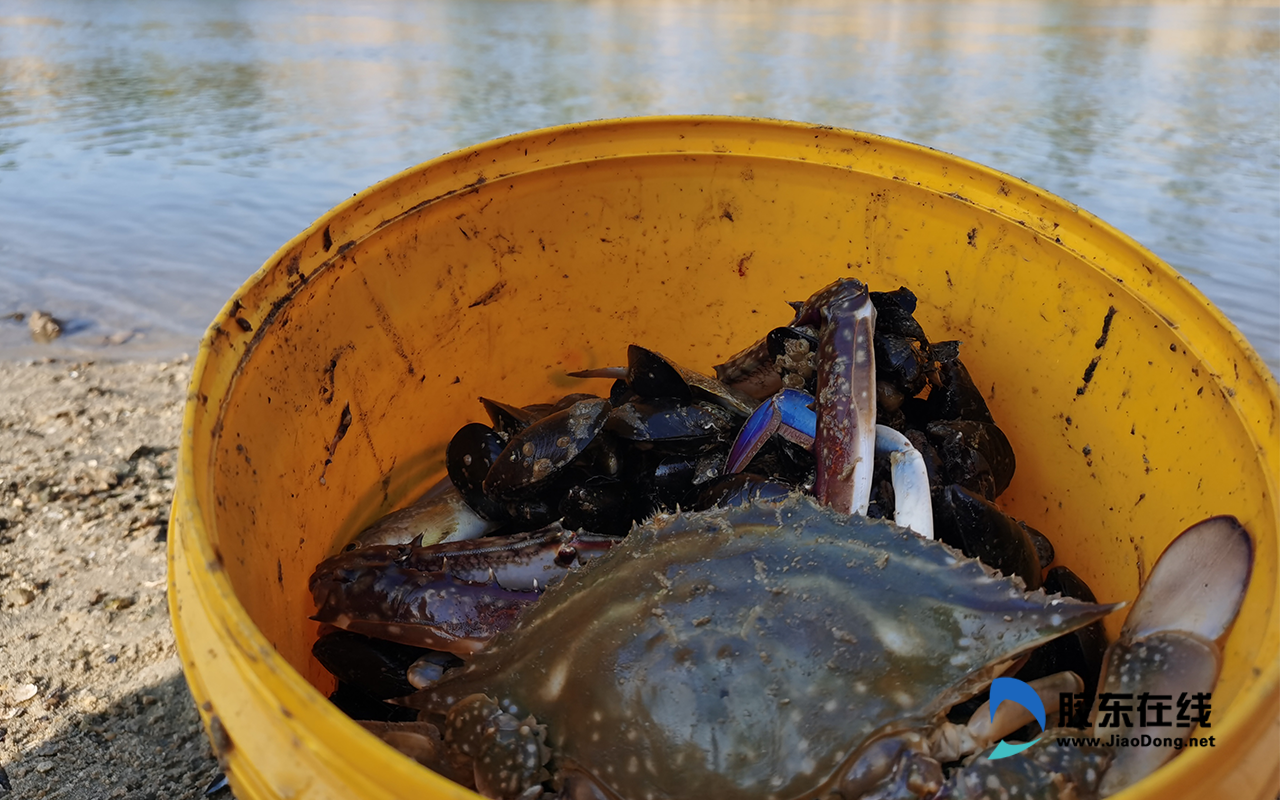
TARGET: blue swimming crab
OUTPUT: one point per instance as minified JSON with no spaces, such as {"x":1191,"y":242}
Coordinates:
{"x":778,"y":649}
{"x":783,"y":650}
{"x":791,"y":648}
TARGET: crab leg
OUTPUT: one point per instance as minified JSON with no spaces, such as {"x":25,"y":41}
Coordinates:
{"x":845,"y":319}
{"x":988,"y":725}
{"x":845,"y":440}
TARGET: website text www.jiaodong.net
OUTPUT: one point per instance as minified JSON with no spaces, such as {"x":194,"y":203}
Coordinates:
{"x":1142,"y":740}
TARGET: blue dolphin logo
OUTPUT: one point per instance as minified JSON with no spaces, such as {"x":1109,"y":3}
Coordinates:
{"x":1015,"y":691}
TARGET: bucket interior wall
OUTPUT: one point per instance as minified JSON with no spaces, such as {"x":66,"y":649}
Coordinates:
{"x":336,"y":379}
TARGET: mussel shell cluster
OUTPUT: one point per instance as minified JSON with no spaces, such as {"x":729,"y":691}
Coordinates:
{"x":593,"y":463}
{"x":661,"y":437}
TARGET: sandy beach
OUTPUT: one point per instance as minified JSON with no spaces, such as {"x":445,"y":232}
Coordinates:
{"x":93,"y":703}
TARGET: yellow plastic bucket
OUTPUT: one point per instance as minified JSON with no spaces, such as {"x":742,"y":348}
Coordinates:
{"x":326,"y":390}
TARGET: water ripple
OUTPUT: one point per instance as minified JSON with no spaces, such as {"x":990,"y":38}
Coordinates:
{"x":152,"y":155}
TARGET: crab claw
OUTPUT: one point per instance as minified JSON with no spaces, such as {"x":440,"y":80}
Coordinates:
{"x":845,"y":439}
{"x":453,"y":597}
{"x":913,"y":509}
{"x":788,"y":414}
{"x":1168,"y":650}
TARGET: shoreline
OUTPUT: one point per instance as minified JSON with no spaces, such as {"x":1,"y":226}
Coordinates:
{"x":75,"y":349}
{"x":90,"y":680}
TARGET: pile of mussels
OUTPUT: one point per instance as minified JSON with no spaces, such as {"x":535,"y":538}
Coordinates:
{"x":661,"y":440}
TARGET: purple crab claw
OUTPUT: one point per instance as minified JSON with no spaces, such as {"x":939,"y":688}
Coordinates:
{"x":453,"y":597}
{"x":844,"y":441}
{"x":789,"y":414}
{"x":845,"y":319}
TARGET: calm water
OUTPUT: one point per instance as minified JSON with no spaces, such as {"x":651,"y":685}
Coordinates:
{"x":154,"y":154}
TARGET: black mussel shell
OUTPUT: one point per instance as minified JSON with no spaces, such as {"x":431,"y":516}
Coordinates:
{"x":899,"y":361}
{"x":962,"y":464}
{"x":549,"y":500}
{"x":1063,"y":581}
{"x":889,"y":398}
{"x":360,"y":706}
{"x":662,"y":480}
{"x":653,"y":377}
{"x":976,"y":455}
{"x":945,"y":352}
{"x":957,"y":397}
{"x":883,"y":501}
{"x":698,"y":469}
{"x":669,"y":421}
{"x":571,"y":399}
{"x":537,"y":410}
{"x":672,"y":480}
{"x":933,"y":466}
{"x":891,"y":419}
{"x":740,"y":489}
{"x":1044,"y":547}
{"x":507,"y":420}
{"x":890,"y":403}
{"x":620,"y":393}
{"x":895,"y":314}
{"x":539,"y":507}
{"x":916,"y":411}
{"x":602,"y":458}
{"x":599,"y":505}
{"x":468,"y":458}
{"x":784,"y":461}
{"x":537,"y":453}
{"x":980,"y":530}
